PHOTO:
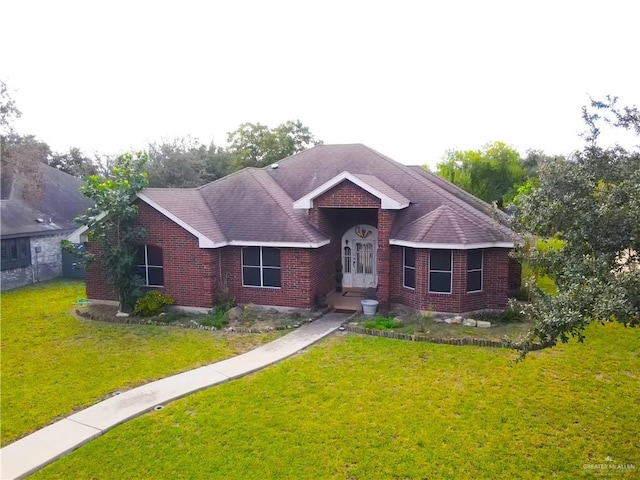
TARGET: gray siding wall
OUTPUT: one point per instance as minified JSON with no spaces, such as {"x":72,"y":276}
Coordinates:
{"x":45,"y":264}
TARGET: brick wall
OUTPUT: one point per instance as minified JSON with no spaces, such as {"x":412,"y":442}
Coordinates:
{"x":385,"y":223}
{"x":493,"y":294}
{"x":304,"y":273}
{"x":190,"y":273}
{"x":346,"y":195}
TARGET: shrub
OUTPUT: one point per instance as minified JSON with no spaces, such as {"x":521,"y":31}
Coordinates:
{"x":152,"y":303}
{"x":216,"y":318}
{"x":382,"y":323}
{"x":511,"y":314}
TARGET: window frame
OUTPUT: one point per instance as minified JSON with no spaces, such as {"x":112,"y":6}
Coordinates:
{"x":450,"y":271}
{"x":405,"y":267}
{"x":146,"y":266}
{"x":262,"y":267}
{"x":22,"y":245}
{"x":481,"y":270}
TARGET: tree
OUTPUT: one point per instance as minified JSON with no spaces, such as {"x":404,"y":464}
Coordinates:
{"x":112,"y":224}
{"x":492,"y":173}
{"x":590,"y":206}
{"x":21,"y":156}
{"x":256,"y":145}
{"x":185,"y":162}
{"x":74,"y":162}
{"x":535,"y":157}
{"x":8,"y":111}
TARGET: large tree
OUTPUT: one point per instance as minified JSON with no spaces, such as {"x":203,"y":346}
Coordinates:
{"x":73,"y":162}
{"x":590,"y":206}
{"x":256,"y":145}
{"x":186,"y":162}
{"x":492,"y":173}
{"x":112,"y":227}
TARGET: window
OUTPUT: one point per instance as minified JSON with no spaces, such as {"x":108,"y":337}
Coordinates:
{"x":16,"y":252}
{"x":409,"y":268}
{"x":149,"y":265}
{"x":347,"y":259}
{"x":474,"y":270}
{"x":440,"y":263}
{"x":261,"y":267}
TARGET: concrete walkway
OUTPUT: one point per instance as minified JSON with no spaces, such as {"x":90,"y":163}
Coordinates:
{"x":42,"y":447}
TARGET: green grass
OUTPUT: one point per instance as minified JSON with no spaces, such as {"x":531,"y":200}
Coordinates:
{"x":357,"y":407}
{"x":382,"y":323}
{"x":54,"y":364}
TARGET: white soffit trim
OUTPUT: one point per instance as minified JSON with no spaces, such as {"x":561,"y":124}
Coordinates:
{"x":245,"y":243}
{"x":452,"y":246}
{"x":203,"y":240}
{"x":386,"y":202}
{"x":80,"y":235}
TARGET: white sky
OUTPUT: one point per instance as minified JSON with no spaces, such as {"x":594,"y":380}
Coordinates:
{"x":409,"y":79}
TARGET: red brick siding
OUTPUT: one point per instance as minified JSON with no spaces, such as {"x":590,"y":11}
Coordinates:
{"x":385,"y":223}
{"x":323,"y":260}
{"x":297,"y":290}
{"x":96,"y":283}
{"x":190,"y":273}
{"x":493,"y":294}
{"x":346,"y":195}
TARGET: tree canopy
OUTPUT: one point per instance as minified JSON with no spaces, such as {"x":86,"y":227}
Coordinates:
{"x":492,"y":173}
{"x":186,"y":162}
{"x":590,"y":206}
{"x":256,"y":145}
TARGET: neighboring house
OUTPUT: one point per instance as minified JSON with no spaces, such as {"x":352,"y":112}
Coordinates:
{"x":38,"y":209}
{"x":273,"y":236}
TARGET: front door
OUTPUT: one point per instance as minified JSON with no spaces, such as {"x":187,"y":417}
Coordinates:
{"x":359,"y":246}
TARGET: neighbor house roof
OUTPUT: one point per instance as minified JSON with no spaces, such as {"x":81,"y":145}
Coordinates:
{"x":44,"y":200}
{"x":267,"y":206}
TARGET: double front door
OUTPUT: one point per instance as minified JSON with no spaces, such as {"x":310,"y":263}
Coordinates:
{"x":359,"y":246}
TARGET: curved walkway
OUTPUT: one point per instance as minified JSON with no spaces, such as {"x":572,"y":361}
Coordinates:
{"x":42,"y":447}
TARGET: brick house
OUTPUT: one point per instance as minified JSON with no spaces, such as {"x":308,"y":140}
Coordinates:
{"x":274,"y":235}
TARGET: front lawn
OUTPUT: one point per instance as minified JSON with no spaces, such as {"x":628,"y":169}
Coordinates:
{"x":356,"y":407}
{"x":54,"y":363}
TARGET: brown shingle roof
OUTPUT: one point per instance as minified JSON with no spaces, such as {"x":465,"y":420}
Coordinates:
{"x":256,"y":205}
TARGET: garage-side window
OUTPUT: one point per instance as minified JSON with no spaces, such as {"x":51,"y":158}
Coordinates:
{"x":261,"y":267}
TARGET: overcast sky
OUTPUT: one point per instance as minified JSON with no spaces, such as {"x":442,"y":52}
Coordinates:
{"x":409,"y":79}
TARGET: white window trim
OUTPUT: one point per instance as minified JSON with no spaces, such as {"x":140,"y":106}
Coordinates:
{"x":261,"y":267}
{"x":450,"y":272}
{"x":481,"y":270}
{"x":405,"y":266}
{"x":146,"y":267}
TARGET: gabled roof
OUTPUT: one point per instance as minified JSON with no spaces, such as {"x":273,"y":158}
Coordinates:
{"x":390,"y":199}
{"x":267,"y":206}
{"x":44,"y":201}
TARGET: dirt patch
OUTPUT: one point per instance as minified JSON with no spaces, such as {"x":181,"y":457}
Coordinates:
{"x":243,"y":319}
